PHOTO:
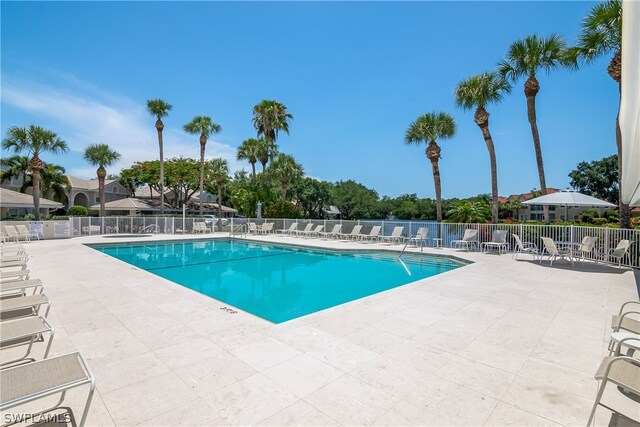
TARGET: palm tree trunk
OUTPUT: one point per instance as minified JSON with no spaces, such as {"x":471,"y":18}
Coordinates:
{"x":283,"y":191}
{"x":35,"y":179}
{"x":253,"y":170}
{"x":623,"y":208}
{"x":494,"y":172}
{"x":159,"y":127}
{"x":531,"y":88}
{"x":433,"y":154}
{"x":202,"y":146}
{"x":101,"y":194}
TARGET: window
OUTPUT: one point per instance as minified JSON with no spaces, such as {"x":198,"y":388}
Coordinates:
{"x":535,"y":208}
{"x":114,"y":189}
{"x":97,"y":199}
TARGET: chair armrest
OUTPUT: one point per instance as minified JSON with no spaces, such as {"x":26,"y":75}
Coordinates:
{"x":628,"y":302}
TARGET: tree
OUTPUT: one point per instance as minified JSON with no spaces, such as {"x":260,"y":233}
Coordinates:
{"x":183,"y":177}
{"x":203,"y":126}
{"x":159,"y":109}
{"x":312,"y":195}
{"x":525,"y":58}
{"x":598,"y":178}
{"x":468,"y":212}
{"x":34,"y":140}
{"x":269,"y":118}
{"x":218,"y":173}
{"x":101,"y":155}
{"x":54,"y":183}
{"x":429,"y":128}
{"x":268,"y":151}
{"x":17,"y":167}
{"x":286,"y":170}
{"x":130,"y":180}
{"x":477,"y":92}
{"x":509,"y":207}
{"x":250,"y":150}
{"x":601,"y":34}
{"x":354,"y":200}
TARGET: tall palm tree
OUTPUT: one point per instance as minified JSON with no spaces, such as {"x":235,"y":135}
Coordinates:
{"x":286,"y":170}
{"x":218,"y":172}
{"x":477,"y":92}
{"x":54,"y":183}
{"x":250,"y":150}
{"x":101,"y":155}
{"x":267,"y":150}
{"x":204,"y":126}
{"x":429,"y":128}
{"x":269,"y":118}
{"x":17,"y":167}
{"x":34,"y":140}
{"x":601,"y":34}
{"x":525,"y":58}
{"x":159,"y":109}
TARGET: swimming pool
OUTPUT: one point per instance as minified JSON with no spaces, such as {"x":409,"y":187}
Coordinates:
{"x":277,"y":282}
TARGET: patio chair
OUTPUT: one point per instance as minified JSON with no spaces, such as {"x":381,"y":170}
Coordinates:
{"x":28,"y":234}
{"x":265,"y":228}
{"x":21,"y":264}
{"x":469,"y":239}
{"x":307,"y":228}
{"x":57,"y":375}
{"x":395,"y":236}
{"x":627,"y":318}
{"x":314,"y":232}
{"x":420,"y":238}
{"x":22,"y":256}
{"x":624,"y":372}
{"x":292,"y":228}
{"x":24,"y":331}
{"x":524,"y":247}
{"x":12,"y":276}
{"x":374,"y":234}
{"x":355,"y":233}
{"x":10,"y":233}
{"x":19,"y":287}
{"x":498,"y":241}
{"x":12,"y":308}
{"x":587,"y":247}
{"x":335,"y":232}
{"x":554,"y":252}
{"x":620,"y":251}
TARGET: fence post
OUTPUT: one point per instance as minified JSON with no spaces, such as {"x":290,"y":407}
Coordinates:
{"x":606,"y":243}
{"x":571,"y":233}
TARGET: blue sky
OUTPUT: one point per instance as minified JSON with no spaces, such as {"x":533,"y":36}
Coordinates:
{"x":354,"y":75}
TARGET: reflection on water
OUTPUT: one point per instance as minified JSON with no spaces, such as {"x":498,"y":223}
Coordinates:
{"x":276,"y":282}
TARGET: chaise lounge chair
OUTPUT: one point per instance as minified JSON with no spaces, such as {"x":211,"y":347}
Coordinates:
{"x":395,"y":236}
{"x":23,"y":231}
{"x":307,"y":228}
{"x":24,"y":331}
{"x":27,"y":383}
{"x":12,"y":308}
{"x":335,"y":232}
{"x":469,"y":239}
{"x":553,"y":252}
{"x":12,"y":276}
{"x":420,"y":238}
{"x":19,"y":287}
{"x":355,"y":233}
{"x":10,"y":233}
{"x":292,"y":229}
{"x":316,"y":231}
{"x":498,"y":241}
{"x":374,"y":234}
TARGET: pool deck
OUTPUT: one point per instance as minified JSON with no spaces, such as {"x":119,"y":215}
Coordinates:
{"x":497,"y":342}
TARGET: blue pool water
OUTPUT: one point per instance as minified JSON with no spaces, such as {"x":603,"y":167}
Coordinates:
{"x":277,"y":282}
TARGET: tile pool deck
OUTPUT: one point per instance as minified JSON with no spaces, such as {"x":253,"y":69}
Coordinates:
{"x":497,"y":342}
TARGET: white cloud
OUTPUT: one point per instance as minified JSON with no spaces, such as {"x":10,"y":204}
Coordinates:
{"x":119,"y":122}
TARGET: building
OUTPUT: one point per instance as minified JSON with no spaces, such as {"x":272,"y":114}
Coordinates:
{"x":536,"y":212}
{"x":84,"y":192}
{"x":13,"y":203}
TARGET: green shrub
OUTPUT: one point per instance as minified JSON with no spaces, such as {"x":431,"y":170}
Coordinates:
{"x":282,"y":209}
{"x":77,"y":210}
{"x":589,"y":215}
{"x":599,"y":221}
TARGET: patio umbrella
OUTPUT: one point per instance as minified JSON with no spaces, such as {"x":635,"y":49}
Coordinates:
{"x":130,"y":204}
{"x":630,"y":103}
{"x":568,"y":198}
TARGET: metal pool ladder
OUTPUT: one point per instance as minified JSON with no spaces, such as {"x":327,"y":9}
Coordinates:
{"x":242,"y":228}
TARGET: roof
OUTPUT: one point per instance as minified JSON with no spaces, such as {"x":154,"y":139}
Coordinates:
{"x":86,"y":184}
{"x":146,"y":192}
{"x":572,"y":198}
{"x":13,"y":199}
{"x":127,"y":204}
{"x":530,"y":195}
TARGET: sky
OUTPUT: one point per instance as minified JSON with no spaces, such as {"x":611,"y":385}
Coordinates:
{"x":353,"y":74}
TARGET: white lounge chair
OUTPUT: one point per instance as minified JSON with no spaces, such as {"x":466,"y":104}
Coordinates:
{"x":355,"y":233}
{"x":553,"y":252}
{"x":395,"y":236}
{"x":524,"y":247}
{"x":307,"y":228}
{"x":49,"y":377}
{"x":374,"y":234}
{"x":25,"y":306}
{"x":292,"y":228}
{"x":619,"y":252}
{"x":420,"y":238}
{"x":12,"y":276}
{"x":200,"y":227}
{"x":266,"y":228}
{"x":588,"y":247}
{"x":335,"y":232}
{"x":10,"y":233}
{"x":26,"y":233}
{"x":252,"y":227}
{"x":19,"y":287}
{"x":24,"y":331}
{"x":498,"y":241}
{"x":469,"y":239}
{"x":315,"y":232}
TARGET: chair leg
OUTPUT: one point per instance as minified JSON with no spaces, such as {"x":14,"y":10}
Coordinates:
{"x":597,"y":401}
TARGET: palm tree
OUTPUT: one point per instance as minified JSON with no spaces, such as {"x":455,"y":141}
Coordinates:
{"x":429,"y":128}
{"x":101,"y":155}
{"x":477,"y":92}
{"x":34,"y":140}
{"x":159,"y":109}
{"x":601,"y":35}
{"x":218,"y":172}
{"x":250,"y":150}
{"x":286,"y":170}
{"x":525,"y":58}
{"x":269,"y":118}
{"x":54,"y":183}
{"x":204,"y":126}
{"x":17,"y":167}
{"x":469,"y":212}
{"x":267,"y":150}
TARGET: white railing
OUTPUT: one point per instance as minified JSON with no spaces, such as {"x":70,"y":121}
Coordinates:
{"x":608,"y":238}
